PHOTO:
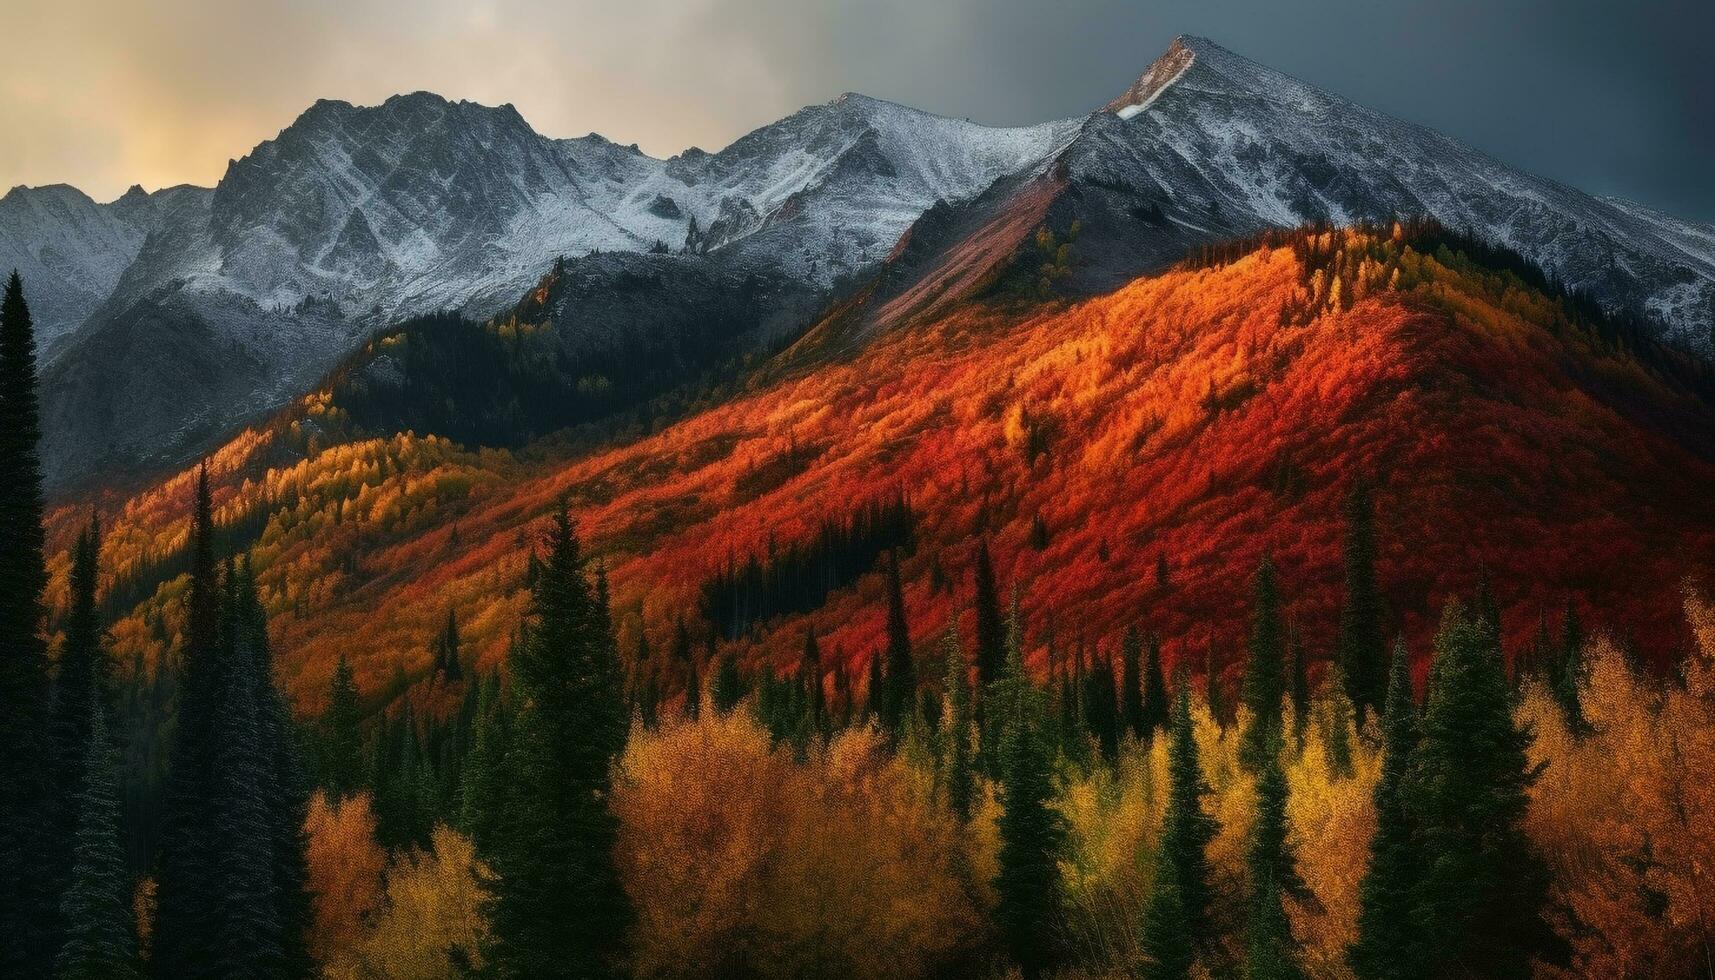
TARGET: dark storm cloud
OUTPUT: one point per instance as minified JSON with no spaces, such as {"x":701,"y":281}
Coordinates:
{"x":1611,"y":97}
{"x":1615,"y":98}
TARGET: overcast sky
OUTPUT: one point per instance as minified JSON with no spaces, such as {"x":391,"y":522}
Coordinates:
{"x":1612,"y":96}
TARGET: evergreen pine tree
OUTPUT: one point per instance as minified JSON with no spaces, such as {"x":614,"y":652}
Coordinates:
{"x":244,"y":934}
{"x":1387,"y":947}
{"x":447,"y":655}
{"x":100,"y":939}
{"x":342,"y":736}
{"x":1265,"y":670}
{"x":483,"y":791}
{"x":1361,"y":651}
{"x":1272,"y":952}
{"x":1131,"y":683}
{"x":1155,"y":706}
{"x":29,"y":795}
{"x":990,"y":657}
{"x":187,"y":886}
{"x":991,"y":628}
{"x":960,"y":764}
{"x":900,"y":681}
{"x":1212,"y":692}
{"x":1031,"y":830}
{"x":285,"y":786}
{"x":1101,"y":710}
{"x":559,"y":909}
{"x":1481,"y":896}
{"x":728,"y":688}
{"x":81,"y":690}
{"x":1176,"y":921}
{"x":810,"y":679}
{"x":400,"y":811}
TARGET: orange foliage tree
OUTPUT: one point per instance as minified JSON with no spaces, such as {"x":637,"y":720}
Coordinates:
{"x":741,"y":860}
{"x":1625,"y":811}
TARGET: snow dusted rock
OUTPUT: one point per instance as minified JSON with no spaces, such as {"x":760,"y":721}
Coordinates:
{"x":1229,"y":144}
{"x":354,"y":217}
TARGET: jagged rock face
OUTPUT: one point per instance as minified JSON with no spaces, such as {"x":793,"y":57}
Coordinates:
{"x":1224,"y":143}
{"x":420,"y":204}
{"x":73,"y":252}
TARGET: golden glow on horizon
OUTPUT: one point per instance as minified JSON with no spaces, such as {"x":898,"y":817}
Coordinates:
{"x":102,"y":94}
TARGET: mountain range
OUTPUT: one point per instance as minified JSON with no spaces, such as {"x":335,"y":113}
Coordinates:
{"x":171,"y":319}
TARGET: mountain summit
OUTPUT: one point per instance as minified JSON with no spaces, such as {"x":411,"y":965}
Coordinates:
{"x":170,"y":318}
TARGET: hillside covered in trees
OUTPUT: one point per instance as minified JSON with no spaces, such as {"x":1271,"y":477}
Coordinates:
{"x":1278,"y":615}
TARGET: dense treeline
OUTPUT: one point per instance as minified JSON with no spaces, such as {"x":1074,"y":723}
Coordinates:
{"x":798,"y":577}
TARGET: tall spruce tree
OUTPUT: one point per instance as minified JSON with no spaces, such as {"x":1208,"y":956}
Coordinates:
{"x":1101,"y":709}
{"x":342,"y":735}
{"x":559,"y":909}
{"x":960,"y":762}
{"x":1155,"y":698}
{"x":284,"y":782}
{"x":245,"y":936}
{"x":81,"y":690}
{"x":230,"y":893}
{"x":1131,"y":682}
{"x":1481,"y":896}
{"x":187,"y":889}
{"x":810,"y":679}
{"x":991,"y":628}
{"x":1032,"y":831}
{"x":1361,"y":650}
{"x":1265,"y":669}
{"x":99,"y":937}
{"x":1176,"y":922}
{"x":483,"y":790}
{"x":1388,"y":943}
{"x":1271,"y":950}
{"x":728,"y":688}
{"x":29,"y":795}
{"x":448,"y":659}
{"x":900,"y":681}
{"x":1212,"y":686}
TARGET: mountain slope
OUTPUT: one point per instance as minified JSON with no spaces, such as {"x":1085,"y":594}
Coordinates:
{"x":1206,"y":145}
{"x":1198,"y":418}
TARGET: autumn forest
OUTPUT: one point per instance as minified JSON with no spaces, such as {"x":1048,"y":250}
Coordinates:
{"x":1332,"y":603}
